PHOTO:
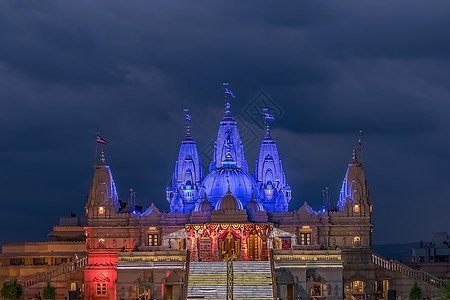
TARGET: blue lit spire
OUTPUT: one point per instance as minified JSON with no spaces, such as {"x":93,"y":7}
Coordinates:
{"x":228,"y":139}
{"x":184,"y":191}
{"x":274,"y":191}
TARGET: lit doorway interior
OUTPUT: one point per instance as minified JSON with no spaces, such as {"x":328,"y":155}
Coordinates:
{"x":228,"y":243}
{"x":254,"y":243}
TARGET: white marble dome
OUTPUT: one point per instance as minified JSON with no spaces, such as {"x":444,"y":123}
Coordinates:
{"x":242,"y":185}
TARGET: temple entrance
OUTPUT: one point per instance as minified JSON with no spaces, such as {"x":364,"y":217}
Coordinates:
{"x":169,"y":292}
{"x":229,"y":242}
{"x":143,"y":292}
{"x":254,"y":243}
{"x":205,"y":247}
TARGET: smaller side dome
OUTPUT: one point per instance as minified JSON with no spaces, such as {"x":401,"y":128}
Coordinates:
{"x":253,"y":206}
{"x":229,"y":202}
{"x":205,"y":205}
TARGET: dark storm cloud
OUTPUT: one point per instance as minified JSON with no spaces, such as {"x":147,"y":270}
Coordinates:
{"x":69,"y":69}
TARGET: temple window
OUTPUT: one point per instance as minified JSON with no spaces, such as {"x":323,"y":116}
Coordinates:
{"x":305,"y":235}
{"x":73,"y":286}
{"x":357,"y":241}
{"x":39,"y":261}
{"x":356,"y":208}
{"x":101,"y":210}
{"x":357,"y":287}
{"x":305,"y":238}
{"x":101,"y":243}
{"x":153,"y":240}
{"x":315,"y":289}
{"x":101,"y":288}
{"x":285,"y":243}
{"x":16,"y":262}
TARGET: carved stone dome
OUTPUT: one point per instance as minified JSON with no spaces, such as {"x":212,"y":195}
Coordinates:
{"x":205,"y":205}
{"x":253,"y":206}
{"x":242,"y":185}
{"x":229,"y":202}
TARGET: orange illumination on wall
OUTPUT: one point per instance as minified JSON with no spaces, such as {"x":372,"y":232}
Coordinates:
{"x":101,"y":210}
{"x":356,"y":208}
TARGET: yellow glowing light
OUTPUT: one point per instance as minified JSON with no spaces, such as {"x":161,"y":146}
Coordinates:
{"x":356,"y":208}
{"x":101,"y":210}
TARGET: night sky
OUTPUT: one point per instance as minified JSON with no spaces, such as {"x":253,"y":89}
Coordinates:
{"x":128,"y":68}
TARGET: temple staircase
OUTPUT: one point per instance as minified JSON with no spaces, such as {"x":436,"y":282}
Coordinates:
{"x":208,"y":280}
{"x":46,"y":276}
{"x":416,"y":275}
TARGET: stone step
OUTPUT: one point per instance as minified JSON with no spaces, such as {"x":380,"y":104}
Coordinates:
{"x":251,"y":280}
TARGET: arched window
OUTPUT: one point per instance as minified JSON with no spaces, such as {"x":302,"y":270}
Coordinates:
{"x":101,"y":243}
{"x":357,"y":241}
{"x":101,"y":210}
{"x":356,"y":208}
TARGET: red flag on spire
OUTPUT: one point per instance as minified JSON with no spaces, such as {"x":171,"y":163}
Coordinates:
{"x":101,"y":140}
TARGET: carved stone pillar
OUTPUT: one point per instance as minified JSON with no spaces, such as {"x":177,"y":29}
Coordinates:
{"x":194,"y":249}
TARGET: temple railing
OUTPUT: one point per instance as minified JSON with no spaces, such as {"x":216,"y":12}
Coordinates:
{"x":417,"y":275}
{"x":54,"y":272}
{"x":272,"y":271}
{"x":186,"y":279}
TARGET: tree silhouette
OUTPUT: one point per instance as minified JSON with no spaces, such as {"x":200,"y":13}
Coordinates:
{"x":11,"y":290}
{"x":415,"y":293}
{"x":49,"y":292}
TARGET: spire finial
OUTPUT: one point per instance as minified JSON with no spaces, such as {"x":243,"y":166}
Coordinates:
{"x":102,"y":158}
{"x":360,"y":144}
{"x":228,"y":93}
{"x":131,"y":197}
{"x":354,"y":155}
{"x":267,"y":117}
{"x":228,"y":183}
{"x":187,"y":123}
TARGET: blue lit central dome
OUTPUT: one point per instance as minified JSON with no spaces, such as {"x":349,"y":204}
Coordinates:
{"x":242,"y":185}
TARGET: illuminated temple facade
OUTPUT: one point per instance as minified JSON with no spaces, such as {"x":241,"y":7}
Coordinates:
{"x":277,"y":253}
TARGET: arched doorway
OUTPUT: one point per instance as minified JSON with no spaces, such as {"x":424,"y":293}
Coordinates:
{"x":229,"y":242}
{"x":254,"y":243}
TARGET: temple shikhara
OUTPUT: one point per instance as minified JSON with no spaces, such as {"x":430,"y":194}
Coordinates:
{"x":228,"y":234}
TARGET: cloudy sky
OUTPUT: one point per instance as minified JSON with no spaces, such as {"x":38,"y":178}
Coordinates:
{"x":128,"y":68}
